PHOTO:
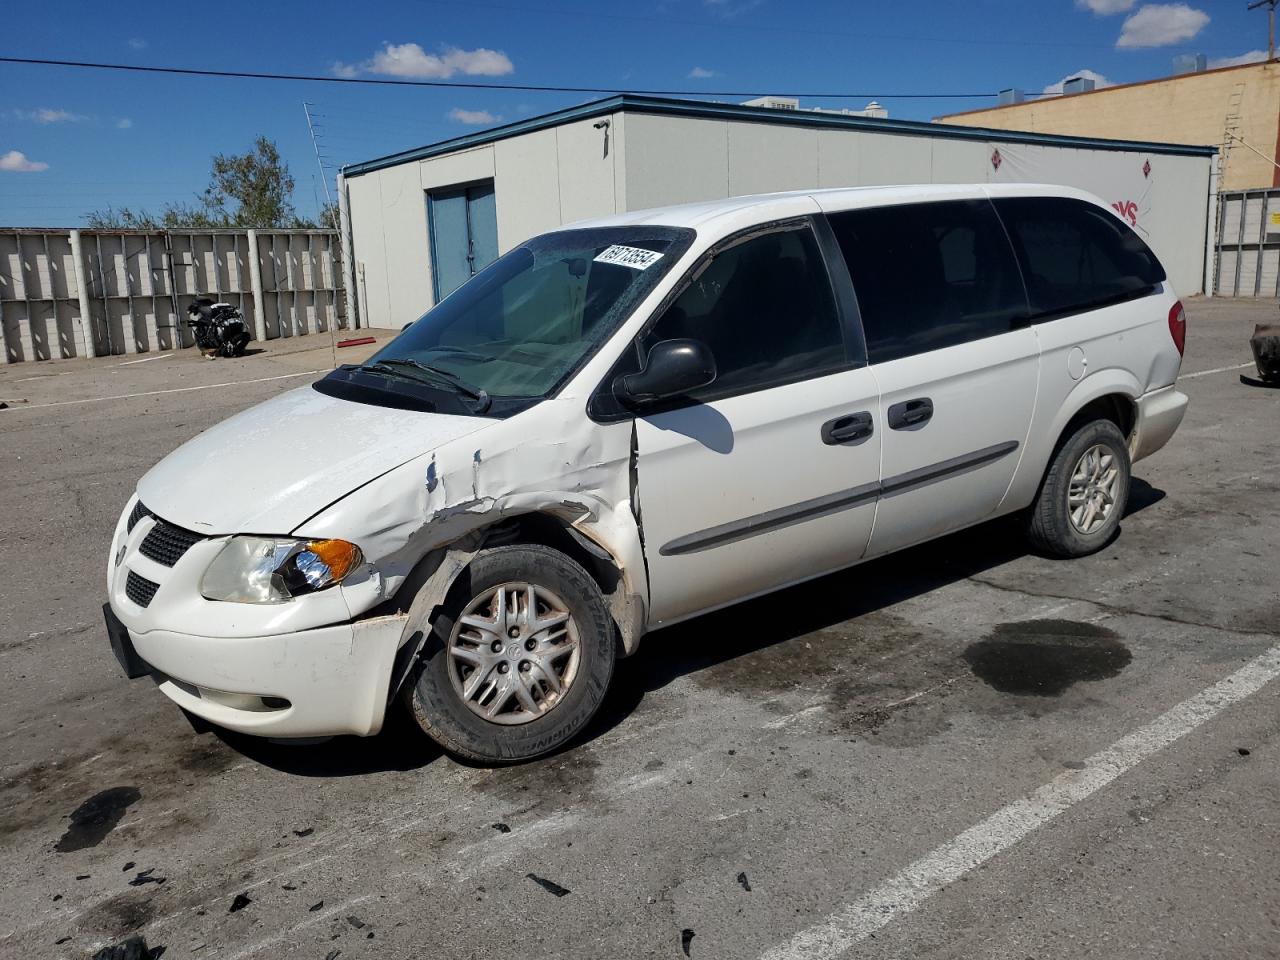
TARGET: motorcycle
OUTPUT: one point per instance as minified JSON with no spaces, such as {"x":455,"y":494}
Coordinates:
{"x":219,"y":328}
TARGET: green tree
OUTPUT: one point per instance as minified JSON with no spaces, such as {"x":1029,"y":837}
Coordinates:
{"x":252,"y":189}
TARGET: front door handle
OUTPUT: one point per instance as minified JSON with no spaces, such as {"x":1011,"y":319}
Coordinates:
{"x":910,"y":414}
{"x":851,"y":429}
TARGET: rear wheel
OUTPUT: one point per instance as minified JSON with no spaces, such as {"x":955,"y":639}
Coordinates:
{"x":1084,"y":493}
{"x":519,"y":658}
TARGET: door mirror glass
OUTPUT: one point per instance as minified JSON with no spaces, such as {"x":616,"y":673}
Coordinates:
{"x":673,"y":368}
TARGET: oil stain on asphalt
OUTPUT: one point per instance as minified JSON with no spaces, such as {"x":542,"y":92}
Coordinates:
{"x":1045,"y":658}
{"x":96,"y":817}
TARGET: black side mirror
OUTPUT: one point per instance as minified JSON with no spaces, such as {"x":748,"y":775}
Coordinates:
{"x":672,"y":368}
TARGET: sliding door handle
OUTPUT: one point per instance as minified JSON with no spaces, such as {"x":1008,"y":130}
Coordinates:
{"x":910,"y":414}
{"x":850,"y":429}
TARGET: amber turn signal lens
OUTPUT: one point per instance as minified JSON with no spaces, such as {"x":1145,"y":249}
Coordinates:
{"x":338,"y":555}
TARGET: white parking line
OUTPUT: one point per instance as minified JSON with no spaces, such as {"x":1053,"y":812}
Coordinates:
{"x":1205,"y":373}
{"x":948,"y":863}
{"x":152,"y":393}
{"x":158,"y":356}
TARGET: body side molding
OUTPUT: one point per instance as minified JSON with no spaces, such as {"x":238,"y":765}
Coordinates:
{"x":844,"y":500}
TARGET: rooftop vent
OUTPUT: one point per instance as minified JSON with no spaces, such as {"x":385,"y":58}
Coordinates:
{"x":1011,"y":95}
{"x":1078,"y":85}
{"x":774,"y":103}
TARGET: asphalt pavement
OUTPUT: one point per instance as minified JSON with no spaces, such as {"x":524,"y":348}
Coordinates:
{"x":963,"y":750}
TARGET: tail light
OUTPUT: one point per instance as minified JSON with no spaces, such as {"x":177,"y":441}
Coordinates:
{"x":1178,"y":327}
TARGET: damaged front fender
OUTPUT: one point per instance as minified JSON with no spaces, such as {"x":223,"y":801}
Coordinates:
{"x":549,"y":460}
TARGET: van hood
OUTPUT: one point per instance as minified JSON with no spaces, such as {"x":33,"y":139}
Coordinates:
{"x":271,"y":467}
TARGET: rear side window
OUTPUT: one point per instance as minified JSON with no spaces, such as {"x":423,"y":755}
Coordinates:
{"x":929,"y":275}
{"x":1075,"y":255}
{"x":766,"y":310}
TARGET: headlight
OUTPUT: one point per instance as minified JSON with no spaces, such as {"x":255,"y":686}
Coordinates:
{"x":276,"y":569}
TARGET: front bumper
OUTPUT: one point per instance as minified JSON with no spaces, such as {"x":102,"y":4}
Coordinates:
{"x":1160,"y":412}
{"x":312,"y":683}
{"x":306,"y":668}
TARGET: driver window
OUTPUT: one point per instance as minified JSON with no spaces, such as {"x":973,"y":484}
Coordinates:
{"x":766,"y":311}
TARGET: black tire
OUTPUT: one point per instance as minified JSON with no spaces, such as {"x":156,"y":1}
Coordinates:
{"x":439,"y":708}
{"x":1049,"y":525}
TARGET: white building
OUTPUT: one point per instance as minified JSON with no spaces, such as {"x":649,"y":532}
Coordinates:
{"x":418,"y":223}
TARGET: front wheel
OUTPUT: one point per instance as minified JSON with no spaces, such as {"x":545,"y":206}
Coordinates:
{"x":518,"y":659}
{"x":1084,"y":493}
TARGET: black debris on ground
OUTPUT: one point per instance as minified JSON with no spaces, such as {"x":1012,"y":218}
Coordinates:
{"x":82,"y":876}
{"x":145,"y":877}
{"x":356,"y":922}
{"x":315,"y":906}
{"x":128,"y":866}
{"x":305,"y":832}
{"x":241,"y":901}
{"x":61,"y":940}
{"x":132,"y":948}
{"x":332,"y":955}
{"x":549,"y":885}
{"x":686,"y":938}
{"x":501,"y":827}
{"x":1243,"y":751}
{"x":287,"y":886}
{"x":743,"y":882}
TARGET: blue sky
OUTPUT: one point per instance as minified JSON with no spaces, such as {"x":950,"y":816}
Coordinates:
{"x":75,"y":140}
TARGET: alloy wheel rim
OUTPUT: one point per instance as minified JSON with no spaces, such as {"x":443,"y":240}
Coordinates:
{"x":1094,"y":489}
{"x":514,"y":653}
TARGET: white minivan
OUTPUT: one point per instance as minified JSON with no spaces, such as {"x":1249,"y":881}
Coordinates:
{"x":632,"y":421}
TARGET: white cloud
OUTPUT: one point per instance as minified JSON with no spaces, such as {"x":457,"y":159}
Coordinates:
{"x":1253,"y":56}
{"x":124,"y":123}
{"x":1106,"y":7}
{"x":474,"y":117}
{"x":1161,"y":25}
{"x":15,"y":161}
{"x":409,"y":60}
{"x":48,"y":115}
{"x":137,"y":43}
{"x":701,"y":73}
{"x":1099,"y":81}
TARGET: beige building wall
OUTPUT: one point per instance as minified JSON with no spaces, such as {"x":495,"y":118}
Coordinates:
{"x":1190,"y":108}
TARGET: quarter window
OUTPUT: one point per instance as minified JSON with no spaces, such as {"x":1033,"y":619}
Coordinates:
{"x":1075,"y":255}
{"x":765,"y":309}
{"x":929,"y":275}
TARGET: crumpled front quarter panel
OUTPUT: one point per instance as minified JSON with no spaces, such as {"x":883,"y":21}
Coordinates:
{"x":551,"y":459}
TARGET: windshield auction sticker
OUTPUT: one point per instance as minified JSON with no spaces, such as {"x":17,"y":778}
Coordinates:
{"x":633,"y":257}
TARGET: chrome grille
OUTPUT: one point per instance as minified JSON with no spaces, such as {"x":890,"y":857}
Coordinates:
{"x":139,"y":589}
{"x":165,"y":543}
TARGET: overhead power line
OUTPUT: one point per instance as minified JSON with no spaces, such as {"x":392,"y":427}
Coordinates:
{"x":466,"y":85}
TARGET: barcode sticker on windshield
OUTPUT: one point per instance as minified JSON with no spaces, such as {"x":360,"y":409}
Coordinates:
{"x":633,"y":257}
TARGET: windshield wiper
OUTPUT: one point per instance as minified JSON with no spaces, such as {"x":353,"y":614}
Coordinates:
{"x":393,"y":365}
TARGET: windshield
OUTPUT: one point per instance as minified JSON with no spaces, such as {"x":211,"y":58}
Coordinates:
{"x":521,"y":326}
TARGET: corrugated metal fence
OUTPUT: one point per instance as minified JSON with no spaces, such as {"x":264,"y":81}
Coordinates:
{"x":1248,"y":248}
{"x":128,"y":291}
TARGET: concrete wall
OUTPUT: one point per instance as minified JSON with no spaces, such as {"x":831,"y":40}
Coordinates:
{"x":542,"y":180}
{"x":130,"y":290}
{"x":1167,"y":202}
{"x":1249,"y":244}
{"x":1189,"y":108}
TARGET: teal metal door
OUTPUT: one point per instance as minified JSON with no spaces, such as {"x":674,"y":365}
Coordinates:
{"x":463,"y":224}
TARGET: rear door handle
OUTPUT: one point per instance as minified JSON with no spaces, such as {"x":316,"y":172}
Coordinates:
{"x":851,"y":429}
{"x":910,"y":413}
